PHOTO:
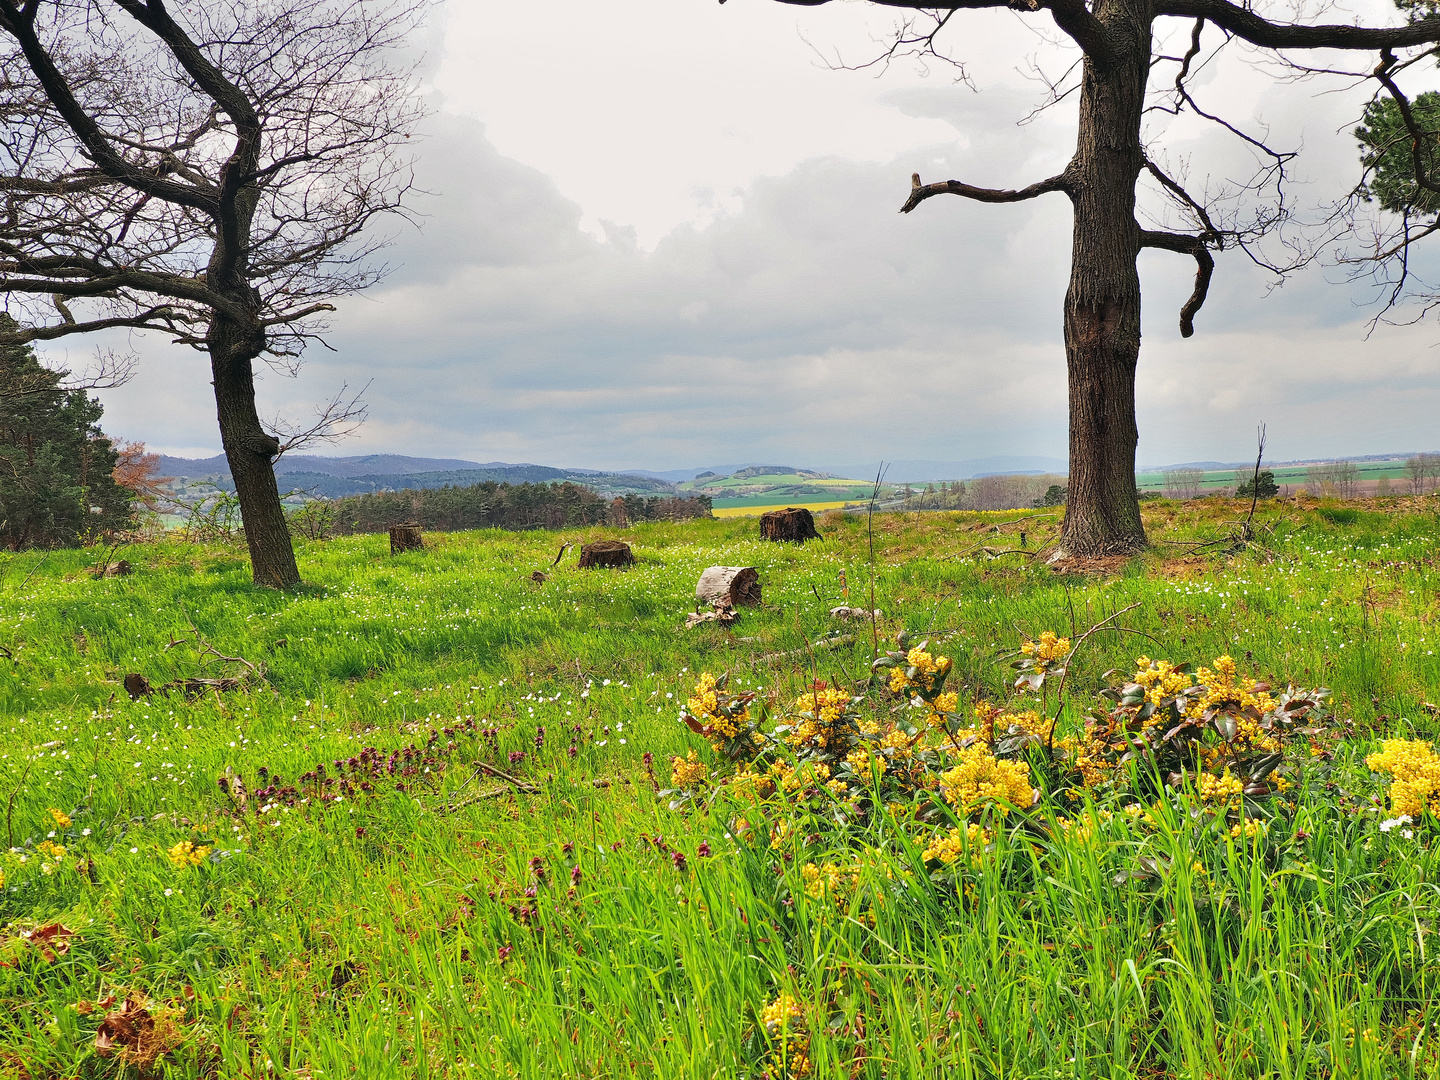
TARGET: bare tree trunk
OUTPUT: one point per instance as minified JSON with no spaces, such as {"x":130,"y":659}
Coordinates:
{"x":1102,"y":305}
{"x":250,"y":450}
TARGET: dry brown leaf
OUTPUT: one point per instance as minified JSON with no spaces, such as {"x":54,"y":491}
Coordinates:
{"x":52,"y":940}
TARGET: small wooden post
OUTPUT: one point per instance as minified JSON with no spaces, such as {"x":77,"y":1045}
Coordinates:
{"x":405,"y":537}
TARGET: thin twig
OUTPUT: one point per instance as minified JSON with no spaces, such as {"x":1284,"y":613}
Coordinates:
{"x":1070,"y":656}
{"x":870,"y":533}
{"x":10,"y":804}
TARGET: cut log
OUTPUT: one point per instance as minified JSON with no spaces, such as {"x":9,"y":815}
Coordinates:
{"x":405,"y":537}
{"x":120,"y":568}
{"x":794,"y":523}
{"x":738,"y":586}
{"x":606,"y":553}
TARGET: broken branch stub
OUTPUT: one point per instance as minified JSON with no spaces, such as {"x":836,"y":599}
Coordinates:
{"x":739,"y":586}
{"x":794,"y":523}
{"x":606,"y":553}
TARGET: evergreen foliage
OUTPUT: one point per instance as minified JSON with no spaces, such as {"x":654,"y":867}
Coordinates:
{"x":56,"y":482}
{"x":490,"y":505}
{"x":1263,"y":485}
{"x":1387,"y":148}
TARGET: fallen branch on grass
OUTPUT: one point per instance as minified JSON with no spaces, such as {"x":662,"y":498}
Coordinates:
{"x":823,"y":643}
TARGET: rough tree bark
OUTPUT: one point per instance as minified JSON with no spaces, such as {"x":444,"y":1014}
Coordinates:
{"x":1102,"y":305}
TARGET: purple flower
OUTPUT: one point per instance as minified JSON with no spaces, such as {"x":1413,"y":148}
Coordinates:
{"x":678,"y":859}
{"x":703,"y":850}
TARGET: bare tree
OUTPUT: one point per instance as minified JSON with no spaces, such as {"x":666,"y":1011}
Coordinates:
{"x":1420,"y":469}
{"x":1121,"y":78}
{"x":208,"y":173}
{"x":1183,"y":483}
{"x":1347,"y":479}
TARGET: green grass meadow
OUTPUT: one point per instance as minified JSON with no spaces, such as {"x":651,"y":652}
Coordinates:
{"x":500,"y":889}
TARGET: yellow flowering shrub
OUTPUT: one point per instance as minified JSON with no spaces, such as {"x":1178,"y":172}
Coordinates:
{"x":722,"y":717}
{"x":1218,"y":789}
{"x":789,"y":1039}
{"x":689,"y":771}
{"x":947,"y":847}
{"x":1415,"y":775}
{"x":188,"y":853}
{"x":1221,"y":690}
{"x":1048,"y":650}
{"x":979,"y":779}
{"x":830,"y":881}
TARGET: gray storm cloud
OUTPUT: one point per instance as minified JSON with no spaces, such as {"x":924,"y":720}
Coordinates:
{"x":812,"y":323}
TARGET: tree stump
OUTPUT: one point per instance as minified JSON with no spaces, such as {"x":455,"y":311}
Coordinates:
{"x":606,"y":553}
{"x":116,"y":569}
{"x":792,"y":523}
{"x":405,"y":537}
{"x":739,"y":586}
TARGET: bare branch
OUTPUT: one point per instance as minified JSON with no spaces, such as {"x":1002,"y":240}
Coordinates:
{"x":1417,"y":134}
{"x":1245,"y":24}
{"x":1204,"y":268}
{"x":337,"y":419}
{"x":920,"y":192}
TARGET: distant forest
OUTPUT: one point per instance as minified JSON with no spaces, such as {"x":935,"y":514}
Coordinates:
{"x":491,"y":505}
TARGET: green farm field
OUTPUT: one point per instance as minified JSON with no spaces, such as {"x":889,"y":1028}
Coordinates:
{"x":1291,"y":476}
{"x":434,"y":828}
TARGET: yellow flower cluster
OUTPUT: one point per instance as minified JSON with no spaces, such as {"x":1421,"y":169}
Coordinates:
{"x":186,"y":853}
{"x":1221,"y":690}
{"x":62,"y":819}
{"x":1028,"y":721}
{"x":1087,"y":755}
{"x":705,"y":705}
{"x":1160,"y":679}
{"x":50,"y":850}
{"x":980,"y":778}
{"x":897,"y":740}
{"x":944,"y":703}
{"x":1078,"y":832}
{"x":949,"y":846}
{"x":1249,"y":731}
{"x":820,"y":712}
{"x":927,"y":669}
{"x":784,"y":1024}
{"x":1415,"y":769}
{"x":1214,"y":789}
{"x":748,"y":784}
{"x":830,"y":880}
{"x":1047,"y":650}
{"x":1247,"y":829}
{"x":859,"y":762}
{"x":689,"y":771}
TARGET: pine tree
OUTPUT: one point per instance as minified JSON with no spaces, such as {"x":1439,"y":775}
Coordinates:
{"x":56,"y":482}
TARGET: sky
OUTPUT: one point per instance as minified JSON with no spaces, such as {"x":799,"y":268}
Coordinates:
{"x":663,"y":234}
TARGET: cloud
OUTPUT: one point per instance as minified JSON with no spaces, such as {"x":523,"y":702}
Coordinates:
{"x":803,"y":319}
